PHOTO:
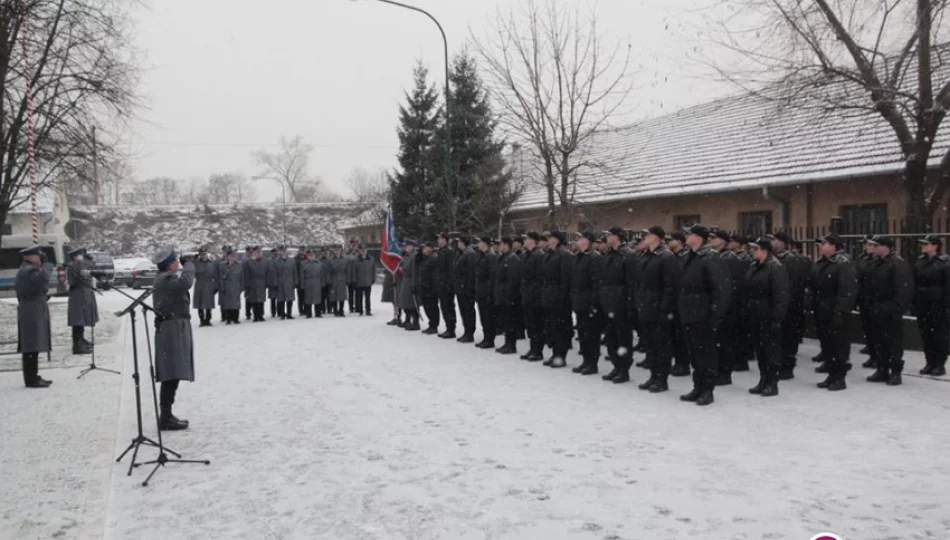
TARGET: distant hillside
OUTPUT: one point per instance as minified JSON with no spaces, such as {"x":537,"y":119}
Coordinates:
{"x":136,"y":231}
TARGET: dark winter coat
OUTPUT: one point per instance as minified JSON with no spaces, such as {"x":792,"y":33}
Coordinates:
{"x":656,"y":285}
{"x":633,"y":266}
{"x":834,"y":286}
{"x":586,"y":279}
{"x":33,"y":327}
{"x":446,"y":270}
{"x":531,"y":265}
{"x":339,"y":270}
{"x":485,"y":276}
{"x":931,"y":282}
{"x":890,"y":286}
{"x":83,"y":309}
{"x":287,"y":279}
{"x":273,"y":280}
{"x":737,"y":269}
{"x":206,"y":283}
{"x":406,"y":278}
{"x":365,"y":271}
{"x":766,"y":291}
{"x":508,"y":280}
{"x":311,"y":279}
{"x":704,"y":288}
{"x":174,"y":346}
{"x":556,"y":271}
{"x":613,"y":289}
{"x":230,"y":284}
{"x":426,"y":277}
{"x":255,"y":280}
{"x":350,"y":259}
{"x":388,"y":292}
{"x":862,"y":266}
{"x":463,"y":273}
{"x":798,"y":268}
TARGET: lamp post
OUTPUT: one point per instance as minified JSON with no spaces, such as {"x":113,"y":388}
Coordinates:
{"x":448,"y":106}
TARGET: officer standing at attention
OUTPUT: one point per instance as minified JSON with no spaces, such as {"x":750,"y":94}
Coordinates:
{"x":32,"y":283}
{"x":890,"y":290}
{"x":834,"y":285}
{"x":931,"y":302}
{"x":174,"y":346}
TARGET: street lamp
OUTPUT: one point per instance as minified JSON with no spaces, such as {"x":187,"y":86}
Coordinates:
{"x":448,"y":101}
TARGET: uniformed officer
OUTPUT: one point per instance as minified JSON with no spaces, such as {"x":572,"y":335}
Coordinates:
{"x":255,"y":283}
{"x":931,"y":302}
{"x":507,"y":294}
{"x":614,"y":305}
{"x":863,"y":266}
{"x":82,"y":309}
{"x":286,"y":280}
{"x":339,"y":280}
{"x":174,"y":346}
{"x":446,"y":283}
{"x":890,"y":290}
{"x":656,"y":284}
{"x":766,"y":297}
{"x":531,"y":265}
{"x":311,"y":280}
{"x":205,"y":286}
{"x":738,"y":244}
{"x":406,"y":277}
{"x":586,"y":279}
{"x":248,"y":305}
{"x":834,"y":286}
{"x":676,"y":243}
{"x":702,"y":301}
{"x":556,"y":297}
{"x":727,"y":339}
{"x":798,"y":268}
{"x":230,"y":283}
{"x":463,"y":284}
{"x":484,"y":292}
{"x":426,"y":289}
{"x":33,"y":328}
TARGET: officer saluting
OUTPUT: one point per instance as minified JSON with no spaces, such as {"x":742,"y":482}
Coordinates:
{"x":32,"y":315}
{"x":174,"y":347}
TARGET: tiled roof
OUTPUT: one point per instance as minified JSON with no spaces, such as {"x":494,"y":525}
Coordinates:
{"x":738,"y":142}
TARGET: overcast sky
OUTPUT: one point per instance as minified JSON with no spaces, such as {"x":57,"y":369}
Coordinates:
{"x":226,"y":77}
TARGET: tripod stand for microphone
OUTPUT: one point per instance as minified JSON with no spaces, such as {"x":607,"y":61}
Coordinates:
{"x":92,"y":365}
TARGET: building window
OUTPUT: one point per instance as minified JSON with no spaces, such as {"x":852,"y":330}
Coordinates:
{"x":755,"y":223}
{"x":865,"y":218}
{"x":685,"y":222}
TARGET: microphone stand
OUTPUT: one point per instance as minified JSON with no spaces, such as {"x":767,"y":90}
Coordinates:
{"x":92,"y":365}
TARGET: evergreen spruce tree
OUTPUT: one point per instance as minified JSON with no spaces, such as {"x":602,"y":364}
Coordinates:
{"x":415,"y":196}
{"x":480,"y":178}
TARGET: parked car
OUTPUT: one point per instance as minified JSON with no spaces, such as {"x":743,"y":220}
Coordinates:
{"x":104,"y":267}
{"x":143,"y":275}
{"x":123,"y":271}
{"x":54,"y":252}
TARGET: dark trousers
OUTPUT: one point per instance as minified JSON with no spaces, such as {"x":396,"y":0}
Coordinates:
{"x":431,"y":307}
{"x":558,"y":330}
{"x":258,"y":311}
{"x":351,"y":296}
{"x":486,"y":315}
{"x":363,"y":300}
{"x":204,"y":315}
{"x":338,"y":308}
{"x":328,"y":306}
{"x":792,"y":330}
{"x":868,"y":329}
{"x":726,"y":339}
{"x":680,"y":352}
{"x":412,"y":317}
{"x":767,"y":343}
{"x":934,"y":328}
{"x":224,"y":314}
{"x":285,"y":309}
{"x":835,"y":346}
{"x":700,"y":347}
{"x":467,"y":309}
{"x":658,"y":340}
{"x":447,"y":305}
{"x":534,"y":326}
{"x":79,"y":334}
{"x":31,"y":367}
{"x":232,"y":315}
{"x":589,"y":328}
{"x":620,"y":340}
{"x":888,"y":342}
{"x":300,"y":305}
{"x":507,"y":322}
{"x":248,"y":308}
{"x":167,"y":393}
{"x":273,"y":308}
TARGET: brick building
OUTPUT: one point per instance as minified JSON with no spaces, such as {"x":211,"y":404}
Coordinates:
{"x":741,"y":163}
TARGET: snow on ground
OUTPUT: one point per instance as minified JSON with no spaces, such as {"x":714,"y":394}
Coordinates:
{"x":61,"y":355}
{"x":350,"y":429}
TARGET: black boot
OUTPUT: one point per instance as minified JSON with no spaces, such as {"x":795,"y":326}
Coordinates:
{"x":705,"y":397}
{"x":466,"y":338}
{"x":724,"y":379}
{"x":681,"y":370}
{"x":448,"y":334}
{"x":645,"y":385}
{"x":763,"y":381}
{"x":622,"y":377}
{"x":693,"y":395}
{"x":508,"y":348}
{"x":836,"y":376}
{"x":895,"y":378}
{"x":168,"y":422}
{"x":659,"y":385}
{"x":771,"y":381}
{"x":870,"y":363}
{"x":927,"y":369}
{"x":938,"y":371}
{"x":430,"y":331}
{"x":823,"y":368}
{"x":589,"y":368}
{"x":610,"y":376}
{"x":31,"y":372}
{"x":879,"y":376}
{"x":786,"y":373}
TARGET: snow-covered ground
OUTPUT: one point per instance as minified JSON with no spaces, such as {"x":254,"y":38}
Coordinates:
{"x":350,"y":429}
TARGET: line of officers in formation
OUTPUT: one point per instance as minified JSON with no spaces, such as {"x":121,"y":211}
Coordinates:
{"x":320,"y":282}
{"x":703,"y":301}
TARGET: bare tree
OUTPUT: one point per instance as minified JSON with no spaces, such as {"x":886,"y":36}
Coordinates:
{"x":288,"y":165}
{"x":229,"y":188}
{"x":158,"y":191}
{"x":558,"y":84}
{"x":851,"y":57}
{"x":72,"y":61}
{"x":371,"y":192}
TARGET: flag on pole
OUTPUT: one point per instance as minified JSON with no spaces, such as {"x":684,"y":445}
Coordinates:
{"x":391,"y":253}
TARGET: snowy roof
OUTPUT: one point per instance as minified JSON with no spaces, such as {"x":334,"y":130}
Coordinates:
{"x":738,"y":142}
